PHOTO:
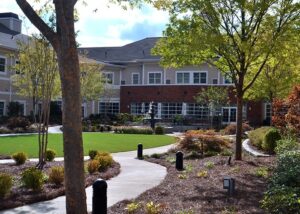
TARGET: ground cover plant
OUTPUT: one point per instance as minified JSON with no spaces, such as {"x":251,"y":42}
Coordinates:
{"x":24,"y":184}
{"x":92,"y":141}
{"x":199,"y":188}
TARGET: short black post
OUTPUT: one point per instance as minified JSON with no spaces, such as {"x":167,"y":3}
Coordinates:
{"x":99,"y":197}
{"x":179,"y":160}
{"x":140,"y":151}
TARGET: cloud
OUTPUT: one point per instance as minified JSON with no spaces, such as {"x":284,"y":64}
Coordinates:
{"x":104,"y":24}
{"x":142,"y":30}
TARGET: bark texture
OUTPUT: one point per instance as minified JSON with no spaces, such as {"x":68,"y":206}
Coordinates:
{"x":64,"y":43}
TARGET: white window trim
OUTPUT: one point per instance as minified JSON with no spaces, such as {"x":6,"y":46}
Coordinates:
{"x":155,"y":72}
{"x":191,"y":79}
{"x":182,"y":72}
{"x":138,"y":78}
{"x":113,"y":77}
{"x":229,"y":114}
{"x":4,"y":110}
{"x":112,"y":101}
{"x":5,"y":67}
{"x":265,"y":110}
{"x":224,"y":79}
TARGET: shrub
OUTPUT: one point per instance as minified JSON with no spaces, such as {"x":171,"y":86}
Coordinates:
{"x":56,"y":175}
{"x":189,"y":143}
{"x":93,"y":166}
{"x":193,"y":155}
{"x":226,"y":152}
{"x":50,"y":154}
{"x":32,"y":178}
{"x":287,"y":171}
{"x":159,"y":130}
{"x":5,"y":184}
{"x":19,"y":158}
{"x":132,"y":207}
{"x":92,"y":154}
{"x":281,"y":200}
{"x":4,"y":130}
{"x":257,"y":136}
{"x":287,"y":144}
{"x":231,"y":128}
{"x":209,"y":165}
{"x":18,"y":122}
{"x":152,"y":208}
{"x":105,"y":161}
{"x":131,"y":130}
{"x":269,"y":142}
{"x":202,"y":174}
{"x":262,"y":172}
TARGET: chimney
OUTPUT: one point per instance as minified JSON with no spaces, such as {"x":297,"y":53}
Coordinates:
{"x":11,"y":21}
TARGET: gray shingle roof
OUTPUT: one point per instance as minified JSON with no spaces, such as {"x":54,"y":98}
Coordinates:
{"x":136,"y":51}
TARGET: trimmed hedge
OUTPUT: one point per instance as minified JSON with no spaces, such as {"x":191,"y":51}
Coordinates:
{"x":131,"y":130}
{"x":257,"y":136}
{"x":270,"y":140}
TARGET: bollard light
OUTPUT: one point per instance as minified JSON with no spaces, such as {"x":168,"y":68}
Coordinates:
{"x":229,"y":184}
{"x":140,"y":151}
{"x":99,"y":197}
{"x":179,"y":161}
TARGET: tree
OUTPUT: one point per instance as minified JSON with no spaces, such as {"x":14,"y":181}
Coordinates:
{"x":214,"y":97}
{"x":237,"y":37}
{"x":91,"y":79}
{"x":37,"y":78}
{"x":279,"y":75}
{"x":62,"y":39}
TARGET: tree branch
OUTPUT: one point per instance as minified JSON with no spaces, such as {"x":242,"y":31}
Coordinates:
{"x":38,"y":22}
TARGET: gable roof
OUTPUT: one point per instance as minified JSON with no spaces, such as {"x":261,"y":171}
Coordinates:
{"x":132,"y":52}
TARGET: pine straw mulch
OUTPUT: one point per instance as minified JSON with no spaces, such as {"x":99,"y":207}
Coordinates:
{"x":20,"y":196}
{"x":195,"y":195}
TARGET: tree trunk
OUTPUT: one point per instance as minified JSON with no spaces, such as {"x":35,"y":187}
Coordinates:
{"x":73,"y":148}
{"x":238,"y":144}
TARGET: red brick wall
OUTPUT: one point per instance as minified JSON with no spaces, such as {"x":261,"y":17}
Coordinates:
{"x":178,"y":93}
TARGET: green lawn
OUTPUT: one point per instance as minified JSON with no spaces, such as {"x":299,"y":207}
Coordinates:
{"x":98,"y":141}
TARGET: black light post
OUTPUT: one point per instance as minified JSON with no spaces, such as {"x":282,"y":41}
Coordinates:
{"x":99,"y":197}
{"x":179,"y":161}
{"x":140,"y":151}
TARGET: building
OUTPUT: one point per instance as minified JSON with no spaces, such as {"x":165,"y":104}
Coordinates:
{"x":10,"y":33}
{"x":134,"y":78}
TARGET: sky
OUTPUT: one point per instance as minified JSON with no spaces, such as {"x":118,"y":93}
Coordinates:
{"x":103,"y":24}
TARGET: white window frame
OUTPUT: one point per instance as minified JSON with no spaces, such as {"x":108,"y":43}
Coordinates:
{"x":265,"y":110}
{"x":4,"y":107}
{"x":229,"y":114}
{"x":107,"y":72}
{"x":133,"y":79}
{"x":5,"y":66}
{"x":155,"y":72}
{"x":206,"y":79}
{"x":183,"y":72}
{"x":103,"y":101}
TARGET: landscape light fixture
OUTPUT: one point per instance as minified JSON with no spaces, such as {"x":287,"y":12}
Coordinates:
{"x":229,"y":184}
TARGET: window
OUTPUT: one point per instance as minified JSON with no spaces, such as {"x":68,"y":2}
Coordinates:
{"x":215,"y":81}
{"x":197,"y":111}
{"x":2,"y":64}
{"x":2,"y":107}
{"x":22,"y":111}
{"x":169,"y":110}
{"x":136,"y":108}
{"x":229,"y":114}
{"x":227,"y":79}
{"x":18,"y":67}
{"x":135,"y":78}
{"x":183,"y":78}
{"x":268,"y":112}
{"x":154,"y":78}
{"x":109,"y":77}
{"x":109,"y":108}
{"x":199,"y":78}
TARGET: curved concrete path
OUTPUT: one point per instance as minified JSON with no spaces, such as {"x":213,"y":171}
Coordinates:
{"x":250,"y":150}
{"x":136,"y":177}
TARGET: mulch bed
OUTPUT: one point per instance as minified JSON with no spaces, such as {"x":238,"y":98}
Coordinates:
{"x":193,"y":194}
{"x":20,"y":196}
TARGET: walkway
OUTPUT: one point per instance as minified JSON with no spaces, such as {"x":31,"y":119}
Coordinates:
{"x":135,"y":178}
{"x":250,"y":150}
